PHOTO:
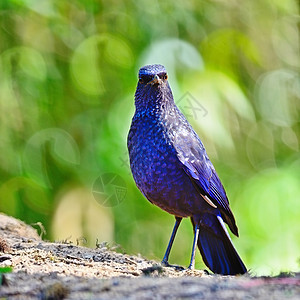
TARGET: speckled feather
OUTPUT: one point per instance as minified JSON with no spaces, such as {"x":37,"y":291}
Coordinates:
{"x":168,"y":159}
{"x":171,"y":168}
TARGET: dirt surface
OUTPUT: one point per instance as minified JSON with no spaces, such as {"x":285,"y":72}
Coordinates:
{"x":33,"y":269}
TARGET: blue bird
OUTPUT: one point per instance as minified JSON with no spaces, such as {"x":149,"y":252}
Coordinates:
{"x":171,"y":168}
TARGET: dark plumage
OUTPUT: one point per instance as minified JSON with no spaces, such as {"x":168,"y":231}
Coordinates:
{"x":171,"y":168}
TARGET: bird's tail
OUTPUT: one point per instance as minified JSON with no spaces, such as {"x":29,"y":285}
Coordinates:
{"x":216,"y":248}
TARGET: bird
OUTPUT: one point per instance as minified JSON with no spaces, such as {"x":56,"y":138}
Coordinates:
{"x":172,"y":170}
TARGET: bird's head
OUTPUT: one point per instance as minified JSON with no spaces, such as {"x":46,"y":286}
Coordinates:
{"x":153,"y":89}
{"x":152,"y":75}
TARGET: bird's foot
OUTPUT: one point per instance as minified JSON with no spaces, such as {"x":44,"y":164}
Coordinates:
{"x":176,"y":267}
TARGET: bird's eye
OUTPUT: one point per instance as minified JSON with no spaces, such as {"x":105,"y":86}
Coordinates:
{"x":145,"y":79}
{"x":163,"y":76}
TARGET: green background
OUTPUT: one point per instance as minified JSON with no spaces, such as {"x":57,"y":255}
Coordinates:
{"x":68,"y":73}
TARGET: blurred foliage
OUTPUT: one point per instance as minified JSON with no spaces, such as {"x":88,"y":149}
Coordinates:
{"x":68,"y":72}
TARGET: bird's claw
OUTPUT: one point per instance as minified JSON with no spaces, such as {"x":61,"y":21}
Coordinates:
{"x":176,"y":267}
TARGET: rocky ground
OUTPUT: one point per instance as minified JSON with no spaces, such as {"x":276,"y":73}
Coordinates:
{"x":33,"y":269}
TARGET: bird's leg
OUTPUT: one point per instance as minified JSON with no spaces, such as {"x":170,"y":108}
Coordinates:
{"x":166,"y":256}
{"x":196,"y":235}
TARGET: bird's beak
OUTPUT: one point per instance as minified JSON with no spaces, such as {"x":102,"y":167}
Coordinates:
{"x":155,"y":80}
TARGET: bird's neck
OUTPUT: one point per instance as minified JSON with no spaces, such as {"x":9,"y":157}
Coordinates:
{"x":154,"y":102}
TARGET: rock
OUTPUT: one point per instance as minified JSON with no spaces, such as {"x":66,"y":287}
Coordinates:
{"x":13,"y":227}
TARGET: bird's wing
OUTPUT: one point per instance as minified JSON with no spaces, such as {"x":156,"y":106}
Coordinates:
{"x":196,"y":164}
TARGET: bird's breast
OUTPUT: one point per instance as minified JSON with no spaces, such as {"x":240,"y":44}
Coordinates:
{"x":152,"y":156}
{"x":157,"y":170}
